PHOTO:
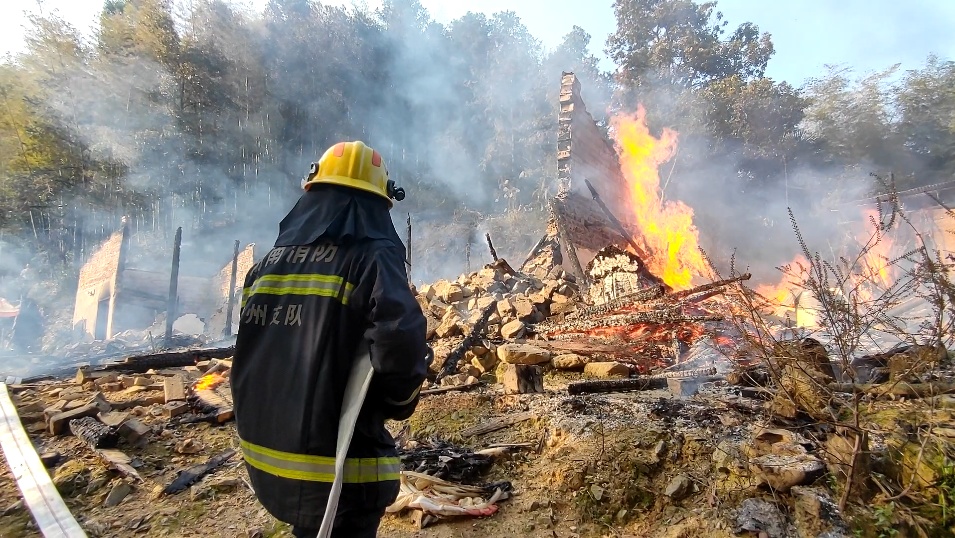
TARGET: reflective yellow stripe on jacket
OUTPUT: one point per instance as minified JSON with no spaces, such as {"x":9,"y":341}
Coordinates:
{"x":319,"y":468}
{"x":305,"y":284}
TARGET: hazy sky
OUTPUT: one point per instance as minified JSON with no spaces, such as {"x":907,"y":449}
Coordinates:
{"x":867,"y":35}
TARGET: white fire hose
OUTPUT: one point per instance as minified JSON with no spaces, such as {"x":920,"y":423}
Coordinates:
{"x":359,"y":379}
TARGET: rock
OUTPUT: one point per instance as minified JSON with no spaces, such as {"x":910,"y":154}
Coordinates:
{"x":524,"y":308}
{"x":783,"y":471}
{"x":570,"y":361}
{"x":679,"y":488}
{"x":522,"y":354}
{"x":71,"y":477}
{"x":505,"y":307}
{"x":50,"y":459}
{"x":815,"y":513}
{"x":440,"y":289}
{"x":485,"y":363}
{"x":188,"y":446}
{"x":838,"y":455}
{"x":802,"y":392}
{"x":606,"y":369}
{"x":513,"y":330}
{"x":117,"y":493}
{"x":426,"y":291}
{"x":761,"y":516}
{"x":453,"y":294}
{"x":448,"y":327}
{"x":779,"y":458}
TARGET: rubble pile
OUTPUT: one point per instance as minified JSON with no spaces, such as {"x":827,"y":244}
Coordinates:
{"x":501,"y":321}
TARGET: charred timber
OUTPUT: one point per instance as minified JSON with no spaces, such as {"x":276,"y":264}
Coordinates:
{"x":191,"y":475}
{"x":93,"y":432}
{"x":646,"y":294}
{"x":171,"y":359}
{"x":711,"y":286}
{"x":616,"y":385}
{"x":490,"y":246}
{"x":685,"y":374}
{"x":451,"y":361}
{"x":662,"y":317}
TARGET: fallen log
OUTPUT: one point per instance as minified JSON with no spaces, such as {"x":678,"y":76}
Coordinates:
{"x":915,"y":390}
{"x":93,"y":432}
{"x":191,"y":475}
{"x":616,"y":385}
{"x":170,"y":359}
{"x":451,"y":361}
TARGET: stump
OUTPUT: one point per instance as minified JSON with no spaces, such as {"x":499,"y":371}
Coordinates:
{"x":523,"y":379}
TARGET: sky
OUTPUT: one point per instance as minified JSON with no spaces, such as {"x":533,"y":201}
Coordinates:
{"x":865,"y":35}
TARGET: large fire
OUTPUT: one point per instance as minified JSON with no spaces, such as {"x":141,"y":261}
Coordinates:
{"x":670,"y":237}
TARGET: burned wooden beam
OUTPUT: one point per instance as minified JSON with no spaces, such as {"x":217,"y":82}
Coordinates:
{"x":698,"y":372}
{"x":644,"y":295}
{"x":191,"y":475}
{"x":616,"y":385}
{"x":93,"y":432}
{"x":659,"y":317}
{"x":490,"y":246}
{"x":170,"y":359}
{"x":173,"y":298}
{"x":451,"y":361}
{"x":227,"y":332}
{"x":212,"y":403}
{"x":711,"y":286}
{"x":564,"y":241}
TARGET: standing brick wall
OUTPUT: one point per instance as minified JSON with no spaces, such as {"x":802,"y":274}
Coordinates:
{"x":583,"y":152}
{"x":97,"y":282}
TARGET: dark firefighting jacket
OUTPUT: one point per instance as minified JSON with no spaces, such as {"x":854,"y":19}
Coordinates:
{"x":336,"y":276}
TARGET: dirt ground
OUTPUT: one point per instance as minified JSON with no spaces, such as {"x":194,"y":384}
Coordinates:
{"x":598,"y":466}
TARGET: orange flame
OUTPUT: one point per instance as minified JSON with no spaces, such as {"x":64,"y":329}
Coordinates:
{"x":209,"y":381}
{"x":671,"y":238}
{"x":875,"y":263}
{"x":788,"y":297}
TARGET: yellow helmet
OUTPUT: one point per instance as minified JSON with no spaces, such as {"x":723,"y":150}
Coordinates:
{"x":355,"y":165}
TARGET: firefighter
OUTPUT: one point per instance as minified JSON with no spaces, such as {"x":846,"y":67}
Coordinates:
{"x":335,"y":280}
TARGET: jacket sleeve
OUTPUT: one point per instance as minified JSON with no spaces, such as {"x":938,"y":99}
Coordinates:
{"x":396,"y":333}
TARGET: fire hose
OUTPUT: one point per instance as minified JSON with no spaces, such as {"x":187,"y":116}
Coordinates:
{"x":356,"y":389}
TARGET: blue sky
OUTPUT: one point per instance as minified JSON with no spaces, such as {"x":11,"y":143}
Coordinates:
{"x":867,"y":35}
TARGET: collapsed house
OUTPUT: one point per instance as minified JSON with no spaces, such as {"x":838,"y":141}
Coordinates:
{"x":113,"y":297}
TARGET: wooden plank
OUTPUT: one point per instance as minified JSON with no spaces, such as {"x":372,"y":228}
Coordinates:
{"x":47,"y":507}
{"x":497,"y":424}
